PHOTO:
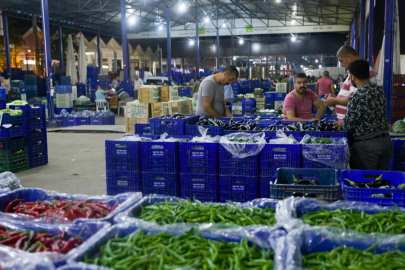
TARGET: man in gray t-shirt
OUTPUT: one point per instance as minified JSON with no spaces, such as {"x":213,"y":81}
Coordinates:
{"x":210,"y":100}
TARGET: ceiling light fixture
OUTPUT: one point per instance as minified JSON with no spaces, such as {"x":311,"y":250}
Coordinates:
{"x":191,"y":42}
{"x":316,"y":61}
{"x":182,"y":7}
{"x":241,"y":41}
{"x":206,"y":19}
{"x":131,"y":20}
{"x":234,"y":58}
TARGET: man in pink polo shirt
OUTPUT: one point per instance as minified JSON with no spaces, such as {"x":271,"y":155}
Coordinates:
{"x":346,"y":55}
{"x":298,"y":103}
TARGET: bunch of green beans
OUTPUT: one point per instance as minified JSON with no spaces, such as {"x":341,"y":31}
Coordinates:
{"x":390,"y":222}
{"x":189,"y":212}
{"x":353,"y":259}
{"x":166,"y":251}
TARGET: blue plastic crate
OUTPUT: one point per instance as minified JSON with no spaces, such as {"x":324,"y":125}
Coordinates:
{"x":111,"y":191}
{"x":37,"y":160}
{"x":274,"y":156}
{"x":279,"y":96}
{"x":298,"y":135}
{"x":17,"y":129}
{"x":38,"y":147}
{"x":350,"y":193}
{"x":36,"y":135}
{"x":2,"y":94}
{"x":122,"y":156}
{"x":238,"y":188}
{"x":63,"y":89}
{"x":159,"y":125}
{"x":327,"y":134}
{"x":192,"y":130}
{"x":111,"y":120}
{"x":142,"y":129}
{"x":160,"y":183}
{"x":335,"y":155}
{"x":3,"y":104}
{"x":231,"y":165}
{"x":398,"y":146}
{"x":84,"y":121}
{"x":123,"y":179}
{"x":264,"y":189}
{"x":203,"y":187}
{"x":160,"y":157}
{"x":36,"y":123}
{"x":198,"y":157}
{"x":96,"y":120}
{"x":72,"y":121}
{"x":13,"y":143}
{"x":328,"y":190}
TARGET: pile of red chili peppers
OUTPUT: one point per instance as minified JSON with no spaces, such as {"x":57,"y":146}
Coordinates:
{"x":32,"y":241}
{"x":61,"y":208}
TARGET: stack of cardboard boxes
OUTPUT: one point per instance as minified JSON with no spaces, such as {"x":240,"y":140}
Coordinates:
{"x":155,"y":101}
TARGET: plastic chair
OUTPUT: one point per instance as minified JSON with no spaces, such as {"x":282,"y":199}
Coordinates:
{"x":122,"y":104}
{"x":101,"y":103}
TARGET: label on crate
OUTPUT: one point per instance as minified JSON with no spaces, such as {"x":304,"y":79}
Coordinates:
{"x":159,"y":183}
{"x":280,"y":156}
{"x":158,"y":151}
{"x":197,"y":154}
{"x":238,"y":187}
{"x":121,"y":152}
{"x":122,"y":183}
{"x":198,"y":183}
{"x":324,"y":157}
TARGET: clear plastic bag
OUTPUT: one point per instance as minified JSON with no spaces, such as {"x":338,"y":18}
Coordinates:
{"x":13,"y":259}
{"x":204,"y":137}
{"x":333,"y":155}
{"x":135,"y":138}
{"x":9,"y":180}
{"x":283,"y":138}
{"x":255,"y":143}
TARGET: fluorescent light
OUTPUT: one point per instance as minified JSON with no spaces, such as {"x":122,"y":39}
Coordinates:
{"x":316,"y":60}
{"x":302,"y":66}
{"x":224,"y":25}
{"x":293,"y":38}
{"x":131,"y":20}
{"x":293,"y":22}
{"x":234,"y":58}
{"x":182,"y":7}
{"x":256,"y":46}
{"x":206,"y":19}
{"x":320,"y":66}
{"x":160,"y":27}
{"x":191,"y":42}
{"x":89,"y":53}
{"x":278,"y":1}
{"x":241,"y":41}
{"x":105,"y":66}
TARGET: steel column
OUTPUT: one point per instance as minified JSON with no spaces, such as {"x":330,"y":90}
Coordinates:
{"x":183,"y":65}
{"x":197,"y":50}
{"x":233,"y":53}
{"x":7,"y":45}
{"x":250,"y":51}
{"x":389,"y":54}
{"x":217,"y":47}
{"x":160,"y":61}
{"x":362,"y":47}
{"x":61,"y":50}
{"x":47,"y":55}
{"x":115,"y":62}
{"x":370,"y":33}
{"x":169,"y":48}
{"x":99,"y":56}
{"x":354,"y":38}
{"x":124,"y":40}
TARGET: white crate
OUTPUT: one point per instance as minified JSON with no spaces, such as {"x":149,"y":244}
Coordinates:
{"x":281,"y":87}
{"x":278,"y":104}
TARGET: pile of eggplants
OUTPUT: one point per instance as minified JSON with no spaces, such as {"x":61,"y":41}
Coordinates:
{"x":377,"y":183}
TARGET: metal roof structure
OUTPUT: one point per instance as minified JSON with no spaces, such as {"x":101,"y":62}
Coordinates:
{"x":104,"y":16}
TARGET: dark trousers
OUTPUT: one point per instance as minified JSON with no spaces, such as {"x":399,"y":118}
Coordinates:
{"x":374,"y":154}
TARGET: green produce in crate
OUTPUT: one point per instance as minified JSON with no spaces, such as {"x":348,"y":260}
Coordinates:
{"x":189,"y":250}
{"x":390,"y":222}
{"x":350,"y":258}
{"x":189,"y":212}
{"x":19,"y":102}
{"x":11,"y":112}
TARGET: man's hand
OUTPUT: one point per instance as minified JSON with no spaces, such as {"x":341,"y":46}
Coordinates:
{"x":338,"y":124}
{"x":331,"y":101}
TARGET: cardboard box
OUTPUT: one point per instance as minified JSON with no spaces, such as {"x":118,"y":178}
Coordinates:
{"x":260,"y":99}
{"x":168,"y":93}
{"x":174,"y":107}
{"x":131,"y":121}
{"x":148,"y":94}
{"x":138,"y":110}
{"x":281,"y":87}
{"x":186,"y":106}
{"x":164,"y":108}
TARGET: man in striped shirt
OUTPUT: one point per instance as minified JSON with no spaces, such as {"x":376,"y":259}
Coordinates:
{"x":346,"y":55}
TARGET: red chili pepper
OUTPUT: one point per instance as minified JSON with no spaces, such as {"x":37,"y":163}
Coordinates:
{"x":12,"y":204}
{"x":68,"y":246}
{"x":11,"y":240}
{"x":115,"y":206}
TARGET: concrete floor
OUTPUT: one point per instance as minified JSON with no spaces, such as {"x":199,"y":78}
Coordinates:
{"x":76,"y":163}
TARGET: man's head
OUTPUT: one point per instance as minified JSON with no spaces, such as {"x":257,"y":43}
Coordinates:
{"x":98,"y":87}
{"x":136,"y":77}
{"x":300,"y":83}
{"x":346,"y":55}
{"x":359,"y":72}
{"x":115,"y":85}
{"x":2,"y":79}
{"x":228,"y":75}
{"x":196,"y":78}
{"x":326,"y":74}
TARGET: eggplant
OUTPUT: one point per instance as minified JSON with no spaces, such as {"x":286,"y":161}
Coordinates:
{"x":310,"y":195}
{"x":297,"y":194}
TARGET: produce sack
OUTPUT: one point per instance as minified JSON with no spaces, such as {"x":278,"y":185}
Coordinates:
{"x":399,"y":126}
{"x":283,"y":138}
{"x":243,"y":144}
{"x":9,"y":180}
{"x":13,"y":259}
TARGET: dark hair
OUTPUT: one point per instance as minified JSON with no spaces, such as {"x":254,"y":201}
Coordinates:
{"x":346,"y":50}
{"x":197,"y":78}
{"x":360,"y":69}
{"x":300,"y":76}
{"x":232,"y":70}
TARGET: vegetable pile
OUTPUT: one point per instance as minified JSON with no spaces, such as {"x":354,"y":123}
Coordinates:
{"x":11,"y":112}
{"x":399,"y":126}
{"x":350,"y":258}
{"x":61,"y":208}
{"x":189,"y":212}
{"x":377,"y":183}
{"x":322,"y":141}
{"x":390,"y":222}
{"x":174,"y":116}
{"x":32,"y":241}
{"x":166,"y":251}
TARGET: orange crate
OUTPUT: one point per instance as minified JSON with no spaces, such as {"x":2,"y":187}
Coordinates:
{"x":398,"y":101}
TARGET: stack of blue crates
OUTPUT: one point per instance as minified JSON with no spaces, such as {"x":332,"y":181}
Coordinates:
{"x":238,"y":177}
{"x":275,"y":156}
{"x":397,"y":163}
{"x":17,"y":86}
{"x":199,"y":171}
{"x":248,"y":105}
{"x":64,"y":98}
{"x":129,"y":87}
{"x":185,"y":91}
{"x":92,"y":72}
{"x":160,"y":168}
{"x":31,"y":86}
{"x":3,"y":101}
{"x":123,"y":166}
{"x":235,"y":89}
{"x":65,"y":80}
{"x":81,"y":89}
{"x":35,"y":133}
